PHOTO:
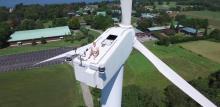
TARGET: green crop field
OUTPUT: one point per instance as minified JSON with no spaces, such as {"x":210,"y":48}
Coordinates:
{"x":208,"y":49}
{"x":55,"y":85}
{"x":213,"y":17}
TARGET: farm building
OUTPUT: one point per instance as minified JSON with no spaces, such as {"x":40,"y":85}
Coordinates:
{"x":189,"y":30}
{"x":50,"y":34}
{"x":148,"y":15}
{"x":160,"y":28}
{"x":103,"y":13}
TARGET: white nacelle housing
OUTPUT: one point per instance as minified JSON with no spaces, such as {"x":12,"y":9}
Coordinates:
{"x":115,"y":45}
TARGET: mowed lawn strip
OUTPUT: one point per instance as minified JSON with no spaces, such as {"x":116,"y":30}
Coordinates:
{"x":52,"y":86}
{"x":208,"y":49}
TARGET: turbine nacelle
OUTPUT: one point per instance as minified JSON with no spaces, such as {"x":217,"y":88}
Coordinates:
{"x":115,"y":45}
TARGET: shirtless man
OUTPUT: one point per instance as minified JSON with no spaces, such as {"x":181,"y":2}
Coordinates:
{"x":94,"y":51}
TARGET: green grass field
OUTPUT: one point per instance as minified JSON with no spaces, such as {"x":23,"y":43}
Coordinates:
{"x":30,"y":48}
{"x":185,"y":63}
{"x":213,"y":17}
{"x":140,"y":72}
{"x":208,"y":49}
{"x":51,"y":86}
{"x":164,"y":5}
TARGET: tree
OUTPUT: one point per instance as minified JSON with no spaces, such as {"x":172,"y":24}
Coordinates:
{"x":163,"y":18}
{"x":176,"y":98}
{"x":215,"y":34}
{"x":168,"y":2}
{"x":144,"y":23}
{"x":180,"y":18}
{"x":102,"y":22}
{"x":204,"y":24}
{"x":209,"y":87}
{"x":88,"y":19}
{"x":74,"y":23}
{"x":3,"y":14}
{"x":172,"y":26}
{"x":59,"y":22}
{"x":27,"y":24}
{"x":5,"y":33}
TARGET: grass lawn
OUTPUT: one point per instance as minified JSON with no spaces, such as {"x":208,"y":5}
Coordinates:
{"x":213,"y":17}
{"x":208,"y":49}
{"x":53,"y":86}
{"x":164,"y":5}
{"x":185,"y":63}
{"x":30,"y":48}
{"x":140,"y":72}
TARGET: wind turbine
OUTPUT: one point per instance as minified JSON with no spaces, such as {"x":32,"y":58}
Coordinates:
{"x":106,"y":70}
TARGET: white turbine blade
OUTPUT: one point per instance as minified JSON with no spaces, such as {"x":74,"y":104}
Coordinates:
{"x":78,"y":51}
{"x":126,"y":8}
{"x":58,"y":57}
{"x":173,"y":76}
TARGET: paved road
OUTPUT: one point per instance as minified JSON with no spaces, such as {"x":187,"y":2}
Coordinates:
{"x":87,"y":96}
{"x":27,"y":60}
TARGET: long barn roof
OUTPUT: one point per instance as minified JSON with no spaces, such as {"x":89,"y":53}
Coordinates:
{"x":39,"y":33}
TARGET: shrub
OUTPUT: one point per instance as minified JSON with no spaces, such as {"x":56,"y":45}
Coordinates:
{"x":43,"y":40}
{"x":215,"y":34}
{"x":33,"y":43}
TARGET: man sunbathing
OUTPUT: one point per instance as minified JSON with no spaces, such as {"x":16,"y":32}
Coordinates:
{"x":94,"y":51}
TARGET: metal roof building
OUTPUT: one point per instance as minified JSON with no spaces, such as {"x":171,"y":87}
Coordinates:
{"x":39,"y":33}
{"x":189,"y":30}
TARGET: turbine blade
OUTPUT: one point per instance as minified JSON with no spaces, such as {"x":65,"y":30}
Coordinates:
{"x":78,"y":51}
{"x":57,"y":57}
{"x":173,"y":76}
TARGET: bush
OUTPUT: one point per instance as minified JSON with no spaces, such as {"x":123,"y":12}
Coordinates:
{"x":170,"y":32}
{"x":209,"y":87}
{"x":74,"y":23}
{"x":43,"y":40}
{"x":33,"y":43}
{"x":215,"y":34}
{"x":102,"y":22}
{"x":177,"y":39}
